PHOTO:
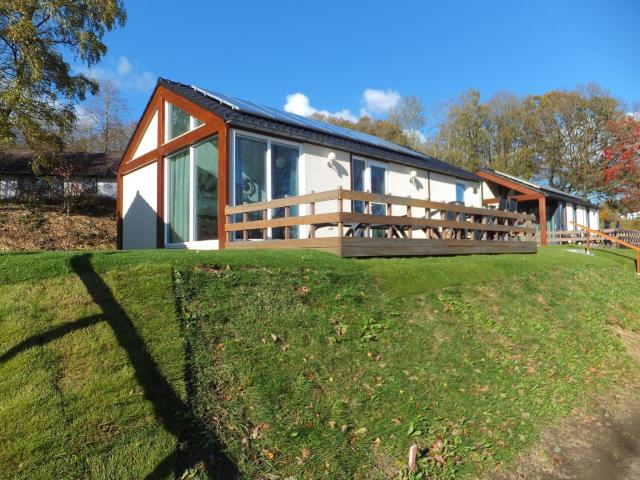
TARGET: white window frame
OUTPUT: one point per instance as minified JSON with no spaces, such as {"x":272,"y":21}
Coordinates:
{"x":367,"y":172}
{"x":191,"y":244}
{"x":302,"y":230}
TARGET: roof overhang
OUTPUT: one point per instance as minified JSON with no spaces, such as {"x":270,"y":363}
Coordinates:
{"x":530,"y":189}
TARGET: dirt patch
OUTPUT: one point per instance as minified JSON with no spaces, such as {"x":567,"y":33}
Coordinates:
{"x":44,"y":227}
{"x":604,"y":444}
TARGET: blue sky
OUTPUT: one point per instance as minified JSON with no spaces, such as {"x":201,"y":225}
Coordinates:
{"x":353,"y":57}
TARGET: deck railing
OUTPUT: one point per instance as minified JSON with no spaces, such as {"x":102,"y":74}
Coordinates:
{"x":372,"y":221}
{"x":579,"y":237}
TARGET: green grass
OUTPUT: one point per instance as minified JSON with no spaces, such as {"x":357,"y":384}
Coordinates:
{"x":298,"y":364}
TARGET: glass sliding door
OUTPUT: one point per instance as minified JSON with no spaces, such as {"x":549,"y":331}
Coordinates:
{"x":250,"y":176}
{"x":264,"y":169}
{"x":378,"y":183}
{"x":192,"y":195}
{"x":369,"y":176}
{"x":358,"y":182}
{"x":284,"y":183}
{"x":205,"y":160}
{"x":179,"y":197}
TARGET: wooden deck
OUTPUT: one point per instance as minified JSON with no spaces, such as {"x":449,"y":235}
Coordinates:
{"x":374,"y":225}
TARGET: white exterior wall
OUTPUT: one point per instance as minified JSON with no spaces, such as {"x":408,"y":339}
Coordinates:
{"x":399,"y":183}
{"x":317,"y":176}
{"x":581,"y":215}
{"x":594,"y":219}
{"x":8,"y":187}
{"x":487,"y":190}
{"x":443,"y":189}
{"x":139,"y":208}
{"x":149,"y":140}
{"x":570,"y":207}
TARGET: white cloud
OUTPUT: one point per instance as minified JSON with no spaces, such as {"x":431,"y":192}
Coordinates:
{"x":378,"y":102}
{"x":299,"y":104}
{"x":124,"y":74}
{"x":375,"y":103}
{"x":124,"y":66}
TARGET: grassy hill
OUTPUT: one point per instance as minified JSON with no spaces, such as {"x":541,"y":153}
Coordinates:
{"x":161,"y":364}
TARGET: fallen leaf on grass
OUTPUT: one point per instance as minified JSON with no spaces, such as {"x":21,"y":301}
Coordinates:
{"x":268,"y":453}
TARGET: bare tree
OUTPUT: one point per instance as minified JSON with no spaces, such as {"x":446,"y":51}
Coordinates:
{"x":101,"y":126}
{"x":409,"y":115}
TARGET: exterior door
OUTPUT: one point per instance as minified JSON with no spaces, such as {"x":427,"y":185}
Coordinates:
{"x":369,"y":176}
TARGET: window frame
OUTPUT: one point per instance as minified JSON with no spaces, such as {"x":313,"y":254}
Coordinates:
{"x":269,"y":190}
{"x":190,"y":244}
{"x":168,"y":106}
{"x":368,"y":163}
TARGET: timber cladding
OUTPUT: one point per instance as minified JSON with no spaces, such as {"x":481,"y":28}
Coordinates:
{"x":212,"y":125}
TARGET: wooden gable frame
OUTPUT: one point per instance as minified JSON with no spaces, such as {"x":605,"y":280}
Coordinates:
{"x":524,"y":195}
{"x":212,"y":124}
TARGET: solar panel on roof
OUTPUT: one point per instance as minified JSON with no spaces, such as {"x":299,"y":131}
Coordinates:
{"x":253,"y":108}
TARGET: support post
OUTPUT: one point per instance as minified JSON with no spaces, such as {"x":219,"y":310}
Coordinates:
{"x":542,"y":207}
{"x":587,"y":245}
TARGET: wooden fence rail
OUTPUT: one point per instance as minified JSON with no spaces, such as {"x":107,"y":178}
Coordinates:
{"x":366,"y":224}
{"x":579,"y":236}
{"x":590,"y":233}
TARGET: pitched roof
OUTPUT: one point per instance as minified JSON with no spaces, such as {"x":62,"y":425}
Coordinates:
{"x":18,"y":162}
{"x":246,"y":114}
{"x":544,"y":189}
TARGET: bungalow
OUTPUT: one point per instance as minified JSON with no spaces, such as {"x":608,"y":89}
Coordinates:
{"x":558,"y":211}
{"x":208,"y":170}
{"x":93,"y":174}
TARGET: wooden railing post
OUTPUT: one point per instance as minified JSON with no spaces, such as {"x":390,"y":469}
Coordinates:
{"x":340,"y":211}
{"x":409,"y":216}
{"x":367,"y":210}
{"x":245,"y":218}
{"x":229,"y":234}
{"x":265,"y":231}
{"x":587,"y":246}
{"x":312,"y":211}
{"x":287,"y":227}
{"x":389,"y":227}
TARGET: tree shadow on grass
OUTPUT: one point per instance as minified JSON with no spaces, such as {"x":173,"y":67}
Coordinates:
{"x":196,"y":443}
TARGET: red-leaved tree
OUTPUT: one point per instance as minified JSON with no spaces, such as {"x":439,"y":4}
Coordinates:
{"x":622,"y":163}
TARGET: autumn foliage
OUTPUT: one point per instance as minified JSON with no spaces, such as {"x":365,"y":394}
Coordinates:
{"x":622,"y":162}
